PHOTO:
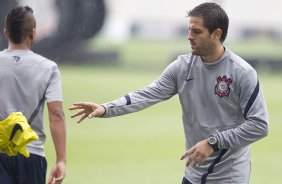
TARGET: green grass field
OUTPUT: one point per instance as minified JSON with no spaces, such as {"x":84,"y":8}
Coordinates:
{"x":145,"y":147}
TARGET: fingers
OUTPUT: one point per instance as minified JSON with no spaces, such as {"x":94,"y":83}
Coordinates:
{"x":57,"y":175}
{"x":82,"y":105}
{"x":85,"y":115}
{"x":57,"y":180}
{"x":78,"y":113}
{"x":50,"y":179}
{"x":185,"y":155}
{"x":75,"y":107}
{"x":82,"y":118}
{"x":190,"y":157}
{"x":194,"y":157}
{"x":86,"y":108}
{"x":54,"y":180}
{"x":78,"y":105}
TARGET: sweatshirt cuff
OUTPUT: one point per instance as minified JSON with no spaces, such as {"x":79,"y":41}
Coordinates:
{"x":221,"y":143}
{"x":107,"y":106}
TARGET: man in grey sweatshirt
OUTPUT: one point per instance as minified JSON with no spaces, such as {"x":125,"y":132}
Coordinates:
{"x":223,"y":107}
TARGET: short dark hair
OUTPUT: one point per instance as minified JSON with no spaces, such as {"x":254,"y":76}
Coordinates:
{"x":214,"y":17}
{"x":19,"y":23}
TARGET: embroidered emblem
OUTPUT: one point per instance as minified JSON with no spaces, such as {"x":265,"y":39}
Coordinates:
{"x":16,"y":59}
{"x":222,"y":87}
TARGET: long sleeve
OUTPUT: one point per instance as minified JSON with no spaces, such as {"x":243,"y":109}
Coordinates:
{"x":161,"y":89}
{"x":254,"y":110}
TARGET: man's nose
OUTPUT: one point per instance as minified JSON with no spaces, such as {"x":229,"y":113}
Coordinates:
{"x":189,"y":36}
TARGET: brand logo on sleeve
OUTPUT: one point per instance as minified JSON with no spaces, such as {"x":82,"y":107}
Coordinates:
{"x":222,"y":88}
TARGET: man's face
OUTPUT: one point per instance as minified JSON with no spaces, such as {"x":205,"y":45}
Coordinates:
{"x":199,"y":37}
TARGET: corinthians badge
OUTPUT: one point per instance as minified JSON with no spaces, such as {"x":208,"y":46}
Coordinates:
{"x":222,"y":87}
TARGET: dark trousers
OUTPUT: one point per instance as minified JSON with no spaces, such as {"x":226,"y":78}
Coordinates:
{"x":185,"y":181}
{"x":21,"y":170}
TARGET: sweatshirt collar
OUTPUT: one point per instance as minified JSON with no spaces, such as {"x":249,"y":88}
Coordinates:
{"x":211,"y":66}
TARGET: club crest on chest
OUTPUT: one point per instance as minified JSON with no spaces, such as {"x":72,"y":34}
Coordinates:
{"x":222,"y":88}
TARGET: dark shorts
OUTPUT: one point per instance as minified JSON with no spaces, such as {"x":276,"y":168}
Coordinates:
{"x":22,"y":170}
{"x":185,"y":181}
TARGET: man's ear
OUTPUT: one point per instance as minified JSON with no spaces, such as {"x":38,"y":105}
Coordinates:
{"x":6,"y":33}
{"x":217,"y":34}
{"x":32,"y":34}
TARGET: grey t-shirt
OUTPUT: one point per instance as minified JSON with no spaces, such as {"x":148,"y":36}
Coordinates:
{"x":25,"y":77}
{"x":222,"y":98}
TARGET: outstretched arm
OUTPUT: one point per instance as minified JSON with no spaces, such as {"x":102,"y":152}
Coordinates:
{"x":87,"y":109}
{"x":161,"y":89}
{"x":58,"y":132}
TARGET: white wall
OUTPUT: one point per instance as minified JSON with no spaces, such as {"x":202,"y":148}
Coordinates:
{"x":242,"y":13}
{"x":161,"y":18}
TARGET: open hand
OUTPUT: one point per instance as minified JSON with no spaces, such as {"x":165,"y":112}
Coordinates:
{"x":87,"y":109}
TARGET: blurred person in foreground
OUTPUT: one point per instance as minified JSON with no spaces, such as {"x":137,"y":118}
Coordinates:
{"x":223,"y":107}
{"x":27,"y":80}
